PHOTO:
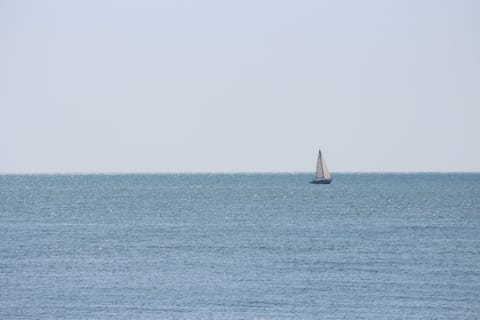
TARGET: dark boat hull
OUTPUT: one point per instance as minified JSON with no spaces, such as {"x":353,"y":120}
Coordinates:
{"x":322,"y":181}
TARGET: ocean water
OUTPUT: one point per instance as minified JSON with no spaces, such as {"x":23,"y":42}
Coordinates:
{"x":240,"y":246}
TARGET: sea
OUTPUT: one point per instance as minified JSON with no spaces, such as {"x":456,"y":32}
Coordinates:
{"x":240,"y":246}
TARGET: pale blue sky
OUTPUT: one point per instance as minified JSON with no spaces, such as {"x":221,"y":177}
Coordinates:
{"x":244,"y":86}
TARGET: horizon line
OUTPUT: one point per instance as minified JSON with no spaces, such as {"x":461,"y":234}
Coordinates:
{"x":226,"y":172}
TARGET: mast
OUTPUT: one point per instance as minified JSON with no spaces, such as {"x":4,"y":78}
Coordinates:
{"x":319,"y":173}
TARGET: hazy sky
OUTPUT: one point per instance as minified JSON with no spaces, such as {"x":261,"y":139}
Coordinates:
{"x":209,"y":86}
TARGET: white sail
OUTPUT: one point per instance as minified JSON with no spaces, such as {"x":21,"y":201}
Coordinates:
{"x":319,"y":172}
{"x":322,"y":170}
{"x":326,"y":173}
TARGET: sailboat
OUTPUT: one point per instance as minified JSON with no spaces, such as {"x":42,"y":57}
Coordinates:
{"x":322,"y":176}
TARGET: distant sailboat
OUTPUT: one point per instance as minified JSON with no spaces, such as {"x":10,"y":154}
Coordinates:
{"x":322,"y":176}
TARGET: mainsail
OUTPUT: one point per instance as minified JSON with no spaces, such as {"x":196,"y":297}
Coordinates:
{"x":322,"y":170}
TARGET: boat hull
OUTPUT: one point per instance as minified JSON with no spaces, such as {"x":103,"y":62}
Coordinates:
{"x":321,"y":181}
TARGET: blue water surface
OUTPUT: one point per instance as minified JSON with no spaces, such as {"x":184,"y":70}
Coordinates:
{"x":240,"y":246}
